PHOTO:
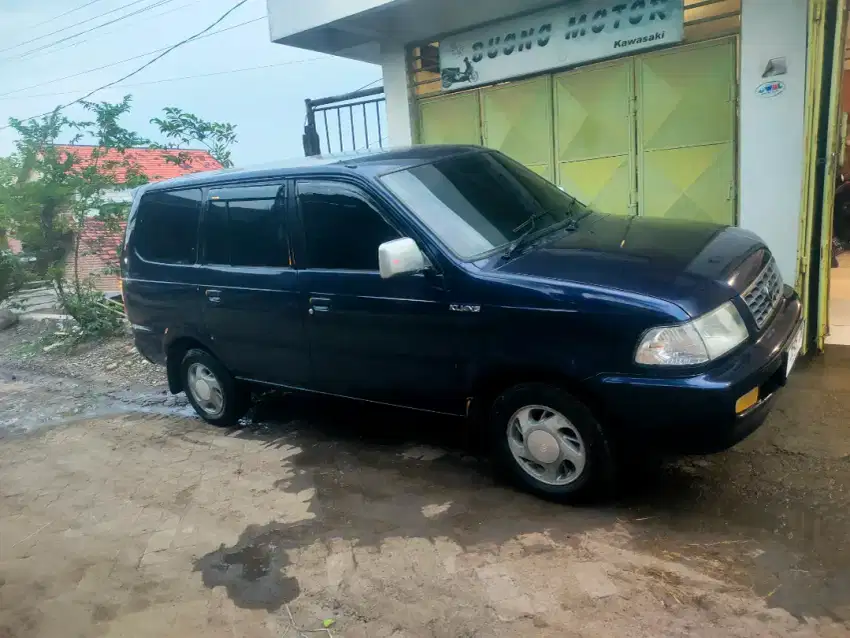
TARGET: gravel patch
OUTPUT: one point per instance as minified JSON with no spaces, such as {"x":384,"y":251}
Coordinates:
{"x":112,"y":362}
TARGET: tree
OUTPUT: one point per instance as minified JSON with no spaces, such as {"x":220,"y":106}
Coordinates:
{"x":48,"y":195}
{"x":9,"y":169}
{"x":187,"y":128}
{"x":32,"y":202}
{"x":106,"y":170}
{"x":56,"y":193}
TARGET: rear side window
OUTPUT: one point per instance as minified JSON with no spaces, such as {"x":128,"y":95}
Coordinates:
{"x":245,"y":226}
{"x":166,"y":229}
{"x":342,"y":228}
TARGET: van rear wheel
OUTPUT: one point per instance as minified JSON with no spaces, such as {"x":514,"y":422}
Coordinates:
{"x":211,"y":389}
{"x":547,"y":442}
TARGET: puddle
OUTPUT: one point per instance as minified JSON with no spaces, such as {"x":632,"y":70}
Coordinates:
{"x":251,"y":570}
{"x":32,"y":401}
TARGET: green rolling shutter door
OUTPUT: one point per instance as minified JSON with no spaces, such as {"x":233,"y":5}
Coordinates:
{"x":654,"y":134}
{"x":686,"y":133}
{"x":517,"y":120}
{"x":453,"y":119}
{"x":594,"y":141}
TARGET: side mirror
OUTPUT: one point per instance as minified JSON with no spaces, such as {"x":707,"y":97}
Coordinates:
{"x":400,"y":257}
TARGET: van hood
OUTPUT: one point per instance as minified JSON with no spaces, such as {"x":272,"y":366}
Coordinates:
{"x":695,"y":265}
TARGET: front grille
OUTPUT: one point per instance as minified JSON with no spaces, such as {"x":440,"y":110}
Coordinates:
{"x":764,"y":294}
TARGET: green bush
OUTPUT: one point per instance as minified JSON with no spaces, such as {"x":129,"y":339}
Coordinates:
{"x":13,"y":274}
{"x":96,"y":316}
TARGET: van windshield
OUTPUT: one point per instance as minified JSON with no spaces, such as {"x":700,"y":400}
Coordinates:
{"x":481,"y":203}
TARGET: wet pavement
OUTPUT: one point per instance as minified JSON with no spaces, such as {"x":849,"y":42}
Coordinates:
{"x":122,"y":514}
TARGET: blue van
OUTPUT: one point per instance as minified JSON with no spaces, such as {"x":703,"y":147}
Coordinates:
{"x":451,"y":279}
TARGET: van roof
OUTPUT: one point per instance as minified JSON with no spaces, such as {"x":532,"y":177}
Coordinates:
{"x":369,"y":163}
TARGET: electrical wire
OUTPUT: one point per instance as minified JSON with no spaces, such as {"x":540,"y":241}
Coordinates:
{"x":135,"y":57}
{"x":366,"y":86}
{"x":141,"y":68}
{"x":99,"y":36}
{"x":62,"y":15}
{"x":185,"y":77}
{"x":23,"y":55}
{"x":76,"y":24}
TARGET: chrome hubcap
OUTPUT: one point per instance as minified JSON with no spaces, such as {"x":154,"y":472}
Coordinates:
{"x":546,"y":445}
{"x":206,"y":389}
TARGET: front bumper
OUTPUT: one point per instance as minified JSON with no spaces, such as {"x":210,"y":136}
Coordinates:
{"x":696,"y":414}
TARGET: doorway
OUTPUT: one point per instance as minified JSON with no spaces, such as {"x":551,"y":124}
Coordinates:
{"x":839,"y":274}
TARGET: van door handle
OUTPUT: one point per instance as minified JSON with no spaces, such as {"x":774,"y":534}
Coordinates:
{"x":213,"y":296}
{"x":319,"y":304}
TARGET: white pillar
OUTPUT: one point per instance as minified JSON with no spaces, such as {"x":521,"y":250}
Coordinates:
{"x":399,"y":102}
{"x":772,"y":133}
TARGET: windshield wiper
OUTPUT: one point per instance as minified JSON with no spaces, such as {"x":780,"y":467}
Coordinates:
{"x":520,"y":242}
{"x":531,"y":220}
{"x":517,"y":244}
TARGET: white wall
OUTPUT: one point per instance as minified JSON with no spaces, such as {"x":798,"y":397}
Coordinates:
{"x":772,"y":133}
{"x":399,"y":102}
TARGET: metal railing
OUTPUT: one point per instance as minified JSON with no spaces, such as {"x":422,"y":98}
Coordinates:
{"x":345,"y":123}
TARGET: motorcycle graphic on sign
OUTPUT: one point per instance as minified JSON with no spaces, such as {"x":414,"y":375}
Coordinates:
{"x":453,"y":75}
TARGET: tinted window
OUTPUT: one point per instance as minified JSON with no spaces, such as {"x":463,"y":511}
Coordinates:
{"x":481,"y":201}
{"x":342,"y":229}
{"x":245,"y":227}
{"x":216,"y":239}
{"x":167,"y":226}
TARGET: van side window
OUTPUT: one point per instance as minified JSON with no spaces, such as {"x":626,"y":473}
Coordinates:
{"x":167,"y":226}
{"x":343,"y":230}
{"x":244,"y":226}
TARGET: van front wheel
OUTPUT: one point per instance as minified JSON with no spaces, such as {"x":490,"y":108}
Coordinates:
{"x":211,"y":389}
{"x":549,"y":443}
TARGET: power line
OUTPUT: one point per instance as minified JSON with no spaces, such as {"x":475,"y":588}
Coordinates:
{"x":70,"y":45}
{"x":141,"y":68}
{"x":62,"y":15}
{"x":76,"y":24}
{"x":135,"y":57}
{"x":156,"y":4}
{"x":185,"y":77}
{"x":366,"y":86}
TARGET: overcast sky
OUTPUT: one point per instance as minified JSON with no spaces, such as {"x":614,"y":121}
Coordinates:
{"x":267,"y":105}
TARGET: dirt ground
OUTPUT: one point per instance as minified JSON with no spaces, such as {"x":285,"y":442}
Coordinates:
{"x":121,"y":514}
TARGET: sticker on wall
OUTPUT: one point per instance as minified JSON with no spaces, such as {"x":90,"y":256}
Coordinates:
{"x":770,"y":89}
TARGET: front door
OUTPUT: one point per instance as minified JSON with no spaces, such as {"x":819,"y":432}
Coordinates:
{"x":390,"y":341}
{"x":251,"y":309}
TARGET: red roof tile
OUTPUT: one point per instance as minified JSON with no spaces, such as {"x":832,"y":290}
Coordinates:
{"x":151,"y":162}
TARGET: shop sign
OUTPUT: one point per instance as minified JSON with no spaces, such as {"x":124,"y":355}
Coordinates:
{"x":573,"y":33}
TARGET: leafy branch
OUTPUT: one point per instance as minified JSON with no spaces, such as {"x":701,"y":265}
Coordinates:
{"x":186,"y":129}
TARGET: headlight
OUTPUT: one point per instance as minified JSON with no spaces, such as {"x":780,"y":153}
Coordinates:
{"x":698,"y":341}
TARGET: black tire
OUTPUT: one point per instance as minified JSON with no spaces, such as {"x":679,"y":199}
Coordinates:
{"x":597,"y":478}
{"x":237,"y":398}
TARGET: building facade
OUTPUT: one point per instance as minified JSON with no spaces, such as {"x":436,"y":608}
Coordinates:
{"x":685,"y":109}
